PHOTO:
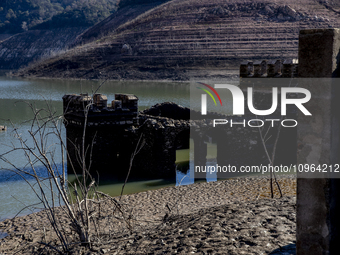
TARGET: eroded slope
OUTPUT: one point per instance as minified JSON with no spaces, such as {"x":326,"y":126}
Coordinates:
{"x":184,"y":38}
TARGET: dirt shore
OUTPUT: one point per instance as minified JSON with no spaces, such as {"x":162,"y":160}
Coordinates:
{"x":171,"y":75}
{"x":234,"y":216}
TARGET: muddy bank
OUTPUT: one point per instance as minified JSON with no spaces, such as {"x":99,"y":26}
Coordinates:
{"x":133,"y":74}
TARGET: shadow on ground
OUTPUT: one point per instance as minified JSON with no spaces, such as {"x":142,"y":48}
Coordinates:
{"x":285,"y":250}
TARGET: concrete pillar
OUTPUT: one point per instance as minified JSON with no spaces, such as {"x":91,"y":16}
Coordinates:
{"x":264,"y":68}
{"x":250,"y":68}
{"x":223,"y":157}
{"x":274,"y":68}
{"x":244,"y":69}
{"x":164,"y":154}
{"x":319,"y":53}
{"x":257,"y":68}
{"x":290,"y":68}
{"x":168,"y":158}
{"x":318,"y":199}
{"x":200,"y":157}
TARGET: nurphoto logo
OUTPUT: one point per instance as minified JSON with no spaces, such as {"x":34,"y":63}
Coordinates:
{"x":238,"y":100}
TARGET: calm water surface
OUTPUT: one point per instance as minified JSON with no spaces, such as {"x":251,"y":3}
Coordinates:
{"x":16,"y":94}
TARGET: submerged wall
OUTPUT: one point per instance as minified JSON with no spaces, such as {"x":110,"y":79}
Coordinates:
{"x":112,"y":137}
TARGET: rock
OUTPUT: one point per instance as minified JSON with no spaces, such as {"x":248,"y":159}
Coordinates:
{"x":268,"y":10}
{"x":159,"y":126}
{"x":204,"y":232}
{"x":282,"y":13}
{"x":169,"y":110}
{"x":220,"y":11}
{"x":152,"y":121}
{"x":3,"y":128}
{"x":290,"y":11}
{"x":104,"y":250}
{"x":126,"y":49}
{"x":280,"y":17}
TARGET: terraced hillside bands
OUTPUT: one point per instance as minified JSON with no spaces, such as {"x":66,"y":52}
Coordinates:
{"x":124,"y":14}
{"x":184,"y":38}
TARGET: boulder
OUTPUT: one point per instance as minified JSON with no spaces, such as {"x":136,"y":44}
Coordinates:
{"x":219,"y":11}
{"x":126,"y":49}
{"x":169,"y":110}
{"x":268,"y":10}
{"x":289,"y":11}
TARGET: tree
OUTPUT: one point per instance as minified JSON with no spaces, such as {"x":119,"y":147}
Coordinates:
{"x":24,"y":26}
{"x":34,"y":12}
{"x":80,"y":200}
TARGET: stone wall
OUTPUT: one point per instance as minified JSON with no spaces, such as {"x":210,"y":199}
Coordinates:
{"x":318,"y":201}
{"x":287,"y":68}
{"x":111,"y":139}
{"x":317,"y":140}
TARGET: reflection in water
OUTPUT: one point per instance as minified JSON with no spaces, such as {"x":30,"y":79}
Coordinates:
{"x":15,"y":194}
{"x":149,"y":93}
{"x":18,"y":198}
{"x":3,"y":235}
{"x":15,"y":91}
{"x":134,"y":187}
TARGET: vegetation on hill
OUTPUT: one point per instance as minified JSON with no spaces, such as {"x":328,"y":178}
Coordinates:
{"x":124,"y":3}
{"x":127,"y":11}
{"x":20,"y":15}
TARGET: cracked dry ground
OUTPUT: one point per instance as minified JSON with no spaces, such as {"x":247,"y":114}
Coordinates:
{"x":232,"y":216}
{"x":258,"y":227}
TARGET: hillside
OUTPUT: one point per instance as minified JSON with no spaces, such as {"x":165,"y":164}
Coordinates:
{"x":31,"y":30}
{"x":33,"y":45}
{"x":125,"y":13}
{"x":18,"y":16}
{"x":184,"y":38}
{"x":51,"y":27}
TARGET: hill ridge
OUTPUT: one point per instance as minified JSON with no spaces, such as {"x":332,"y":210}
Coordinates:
{"x":176,"y":38}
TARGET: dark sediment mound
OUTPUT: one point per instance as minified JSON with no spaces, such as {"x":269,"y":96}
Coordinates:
{"x":169,"y":110}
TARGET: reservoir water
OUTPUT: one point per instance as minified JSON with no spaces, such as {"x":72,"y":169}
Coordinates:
{"x":15,"y":95}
